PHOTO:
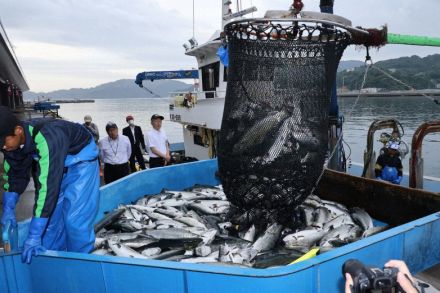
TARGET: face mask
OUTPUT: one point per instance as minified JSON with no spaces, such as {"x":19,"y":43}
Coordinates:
{"x":130,"y":122}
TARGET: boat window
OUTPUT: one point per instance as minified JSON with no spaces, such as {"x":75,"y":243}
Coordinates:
{"x":198,"y":140}
{"x":197,"y":135}
{"x":210,"y":78}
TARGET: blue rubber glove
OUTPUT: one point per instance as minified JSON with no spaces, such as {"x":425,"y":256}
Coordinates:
{"x":32,"y":246}
{"x":397,"y":180}
{"x":223,"y":55}
{"x":10,"y":200}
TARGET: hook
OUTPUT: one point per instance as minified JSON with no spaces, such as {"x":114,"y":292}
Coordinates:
{"x":368,"y":59}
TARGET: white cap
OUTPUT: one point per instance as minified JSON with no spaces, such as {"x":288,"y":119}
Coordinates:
{"x":87,"y":118}
{"x":393,"y":145}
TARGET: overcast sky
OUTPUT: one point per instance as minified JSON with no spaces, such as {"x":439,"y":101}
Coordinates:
{"x":64,"y":44}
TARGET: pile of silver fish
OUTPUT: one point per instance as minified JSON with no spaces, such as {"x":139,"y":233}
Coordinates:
{"x":192,"y":226}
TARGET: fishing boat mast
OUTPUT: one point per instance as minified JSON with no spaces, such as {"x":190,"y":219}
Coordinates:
{"x":226,"y":10}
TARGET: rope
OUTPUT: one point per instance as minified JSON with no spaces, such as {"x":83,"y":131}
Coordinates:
{"x":405,"y":84}
{"x":368,"y":64}
{"x":151,"y":92}
{"x":349,"y":148}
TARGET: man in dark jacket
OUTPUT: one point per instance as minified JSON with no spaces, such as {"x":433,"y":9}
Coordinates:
{"x":91,"y":127}
{"x":63,"y":159}
{"x":134,"y":134}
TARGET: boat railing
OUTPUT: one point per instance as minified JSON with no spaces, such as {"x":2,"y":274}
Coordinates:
{"x":213,"y":94}
{"x":186,"y":99}
{"x":189,"y":99}
{"x":369,"y":153}
{"x":416,"y":160}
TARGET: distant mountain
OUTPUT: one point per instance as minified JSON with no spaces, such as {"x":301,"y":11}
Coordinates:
{"x":124,"y":88}
{"x":420,"y":73}
{"x":349,"y":64}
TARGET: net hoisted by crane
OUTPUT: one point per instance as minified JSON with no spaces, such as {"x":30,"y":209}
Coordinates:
{"x":274,"y":135}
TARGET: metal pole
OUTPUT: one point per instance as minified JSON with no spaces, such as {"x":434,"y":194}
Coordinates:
{"x":326,"y":6}
{"x":412,"y":40}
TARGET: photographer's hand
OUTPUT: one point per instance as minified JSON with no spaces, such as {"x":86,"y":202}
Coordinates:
{"x":404,"y":277}
{"x":348,"y":283}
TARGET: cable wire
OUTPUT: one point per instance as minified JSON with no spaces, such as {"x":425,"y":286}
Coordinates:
{"x":405,"y":84}
{"x":367,"y":67}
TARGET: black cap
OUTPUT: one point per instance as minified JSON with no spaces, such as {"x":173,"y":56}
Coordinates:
{"x":109,"y":125}
{"x":8,"y":122}
{"x":157,"y":116}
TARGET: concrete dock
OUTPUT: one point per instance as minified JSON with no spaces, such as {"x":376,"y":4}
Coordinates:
{"x":414,"y":93}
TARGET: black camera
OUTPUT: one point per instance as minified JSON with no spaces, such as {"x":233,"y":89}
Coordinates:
{"x":367,"y":279}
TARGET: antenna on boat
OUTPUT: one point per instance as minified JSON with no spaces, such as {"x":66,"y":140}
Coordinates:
{"x":193,"y":20}
{"x":228,"y":15}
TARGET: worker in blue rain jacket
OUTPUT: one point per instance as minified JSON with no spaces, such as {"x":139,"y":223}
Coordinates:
{"x":62,"y":158}
{"x":389,"y":165}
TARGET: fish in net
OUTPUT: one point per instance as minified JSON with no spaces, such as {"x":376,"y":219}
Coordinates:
{"x":274,"y":134}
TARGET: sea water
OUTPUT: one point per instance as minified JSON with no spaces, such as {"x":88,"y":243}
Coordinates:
{"x":410,"y":111}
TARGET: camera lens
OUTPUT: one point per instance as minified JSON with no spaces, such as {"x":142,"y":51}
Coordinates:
{"x":353,"y":267}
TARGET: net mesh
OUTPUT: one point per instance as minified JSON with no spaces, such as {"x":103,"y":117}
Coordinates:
{"x":274,"y":135}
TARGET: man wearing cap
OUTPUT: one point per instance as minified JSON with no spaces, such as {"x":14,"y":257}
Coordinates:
{"x":91,"y":127}
{"x":114,"y":151}
{"x":136,"y":137}
{"x":62,"y":157}
{"x":158,"y":146}
{"x":388,"y":165}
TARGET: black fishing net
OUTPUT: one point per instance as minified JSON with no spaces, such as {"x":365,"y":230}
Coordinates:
{"x":274,"y":135}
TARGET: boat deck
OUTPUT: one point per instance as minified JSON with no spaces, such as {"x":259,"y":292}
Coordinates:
{"x":24,"y":211}
{"x":431,"y":276}
{"x":415,"y":242}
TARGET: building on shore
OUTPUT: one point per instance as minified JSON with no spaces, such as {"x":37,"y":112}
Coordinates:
{"x":12,"y":80}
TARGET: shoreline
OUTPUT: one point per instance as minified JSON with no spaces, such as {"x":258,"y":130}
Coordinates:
{"x":415,"y":93}
{"x":72,"y":101}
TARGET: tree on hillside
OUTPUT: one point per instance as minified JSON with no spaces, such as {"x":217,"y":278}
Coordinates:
{"x":420,"y":73}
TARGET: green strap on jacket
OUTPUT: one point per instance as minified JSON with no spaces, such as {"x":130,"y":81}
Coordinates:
{"x":6,"y":169}
{"x":43,"y":151}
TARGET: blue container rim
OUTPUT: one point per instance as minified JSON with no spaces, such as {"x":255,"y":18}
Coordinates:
{"x":249,"y":272}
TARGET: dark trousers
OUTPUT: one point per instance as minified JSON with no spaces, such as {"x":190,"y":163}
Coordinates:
{"x":136,"y":154}
{"x":156,"y":162}
{"x":115,"y":172}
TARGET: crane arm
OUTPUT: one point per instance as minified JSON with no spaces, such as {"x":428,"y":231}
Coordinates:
{"x":155,"y":75}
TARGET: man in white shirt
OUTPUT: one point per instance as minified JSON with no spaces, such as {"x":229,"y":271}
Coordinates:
{"x":114,"y":151}
{"x":158,"y":146}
